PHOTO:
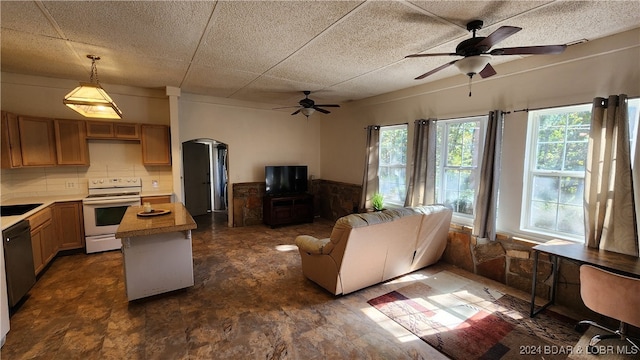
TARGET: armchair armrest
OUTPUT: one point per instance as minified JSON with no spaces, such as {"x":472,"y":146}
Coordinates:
{"x":310,"y":244}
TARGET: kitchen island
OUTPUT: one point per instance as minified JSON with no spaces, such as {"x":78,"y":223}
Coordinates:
{"x":156,"y":249}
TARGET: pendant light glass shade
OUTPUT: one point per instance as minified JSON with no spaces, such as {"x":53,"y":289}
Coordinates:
{"x":90,"y":99}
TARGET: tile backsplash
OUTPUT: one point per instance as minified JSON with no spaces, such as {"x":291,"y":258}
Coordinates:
{"x":108,"y":159}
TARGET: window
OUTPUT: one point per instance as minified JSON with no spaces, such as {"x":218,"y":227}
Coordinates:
{"x":458,"y":149}
{"x":392,"y":168}
{"x":559,"y":140}
{"x":555,"y":168}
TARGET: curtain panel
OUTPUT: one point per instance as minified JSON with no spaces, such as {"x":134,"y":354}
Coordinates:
{"x":609,"y":209}
{"x":421,"y":186}
{"x":486,"y":201}
{"x":370,"y":178}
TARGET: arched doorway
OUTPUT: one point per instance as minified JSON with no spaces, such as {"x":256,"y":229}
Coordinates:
{"x":205,"y":177}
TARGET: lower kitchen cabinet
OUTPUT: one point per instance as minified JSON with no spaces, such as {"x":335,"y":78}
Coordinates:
{"x":68,"y":220}
{"x":43,"y":239}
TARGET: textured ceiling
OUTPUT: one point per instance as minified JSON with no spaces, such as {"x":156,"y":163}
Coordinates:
{"x":270,"y":51}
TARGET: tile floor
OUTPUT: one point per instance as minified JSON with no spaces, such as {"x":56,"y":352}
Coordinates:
{"x":250,"y":301}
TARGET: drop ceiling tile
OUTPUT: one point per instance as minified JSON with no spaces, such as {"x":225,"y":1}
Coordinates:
{"x":215,"y":81}
{"x":25,"y":16}
{"x":374,"y":36}
{"x":255,"y":36}
{"x":169,"y":29}
{"x":490,"y":12}
{"x":566,"y":21}
{"x":45,"y":56}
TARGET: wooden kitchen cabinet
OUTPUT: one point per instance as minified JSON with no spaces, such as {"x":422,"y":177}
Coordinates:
{"x":43,"y":239}
{"x":37,"y":141}
{"x":126,"y":131}
{"x":156,"y":148}
{"x":68,"y":221}
{"x":10,"y":142}
{"x":71,"y":142}
{"x":160,"y":199}
{"x":100,"y":130}
{"x":112,"y":130}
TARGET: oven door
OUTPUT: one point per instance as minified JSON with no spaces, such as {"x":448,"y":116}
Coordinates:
{"x":102,"y":216}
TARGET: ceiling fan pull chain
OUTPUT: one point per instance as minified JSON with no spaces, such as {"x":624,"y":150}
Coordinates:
{"x":470,"y":77}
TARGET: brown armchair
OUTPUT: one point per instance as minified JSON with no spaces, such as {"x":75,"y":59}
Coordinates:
{"x":611,"y":295}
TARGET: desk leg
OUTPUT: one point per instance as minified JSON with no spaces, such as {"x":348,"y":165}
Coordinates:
{"x":554,"y":269}
{"x":533,"y":286}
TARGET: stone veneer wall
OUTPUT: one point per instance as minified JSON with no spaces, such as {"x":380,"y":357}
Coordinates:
{"x":247,"y":203}
{"x":509,"y":260}
{"x":332,"y":200}
{"x":337,"y":199}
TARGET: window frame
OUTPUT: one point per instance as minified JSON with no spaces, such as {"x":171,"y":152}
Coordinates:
{"x":530,"y":172}
{"x":440,"y":166}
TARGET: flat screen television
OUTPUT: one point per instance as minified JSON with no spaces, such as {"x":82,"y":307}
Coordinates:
{"x":286,"y":180}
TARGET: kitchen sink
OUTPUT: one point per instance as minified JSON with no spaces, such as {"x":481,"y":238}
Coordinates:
{"x":11,"y":210}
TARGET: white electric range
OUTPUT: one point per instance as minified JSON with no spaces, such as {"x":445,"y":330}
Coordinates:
{"x":104,"y":208}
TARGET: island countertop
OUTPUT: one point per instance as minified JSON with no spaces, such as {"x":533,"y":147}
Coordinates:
{"x":133,"y":225}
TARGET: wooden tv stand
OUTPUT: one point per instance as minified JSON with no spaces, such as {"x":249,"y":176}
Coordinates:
{"x":287,"y":209}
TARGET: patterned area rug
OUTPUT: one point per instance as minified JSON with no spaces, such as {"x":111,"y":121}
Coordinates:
{"x":464,"y":320}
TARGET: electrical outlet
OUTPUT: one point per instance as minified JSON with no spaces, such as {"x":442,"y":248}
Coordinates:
{"x":70,"y":185}
{"x":154,"y":183}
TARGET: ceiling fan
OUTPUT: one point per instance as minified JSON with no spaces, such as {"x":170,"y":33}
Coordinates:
{"x":308,"y":106}
{"x":476,"y":54}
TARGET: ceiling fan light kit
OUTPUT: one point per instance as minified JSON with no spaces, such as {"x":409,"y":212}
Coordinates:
{"x":472,"y":65}
{"x":90,"y":99}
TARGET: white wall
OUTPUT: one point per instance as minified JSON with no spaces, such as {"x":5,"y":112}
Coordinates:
{"x":42,"y":96}
{"x":256,"y":135}
{"x":598,"y":68}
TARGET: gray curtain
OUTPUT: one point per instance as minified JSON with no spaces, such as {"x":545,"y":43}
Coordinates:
{"x":421,"y":187}
{"x":486,"y":202}
{"x":609,"y":211}
{"x":370,"y":178}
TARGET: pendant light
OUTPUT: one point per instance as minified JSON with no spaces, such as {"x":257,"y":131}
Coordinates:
{"x":90,"y":99}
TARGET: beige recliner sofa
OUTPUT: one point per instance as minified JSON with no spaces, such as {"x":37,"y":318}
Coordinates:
{"x":366,"y":249}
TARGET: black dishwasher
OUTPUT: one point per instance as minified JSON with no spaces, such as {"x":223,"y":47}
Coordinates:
{"x":18,"y":260}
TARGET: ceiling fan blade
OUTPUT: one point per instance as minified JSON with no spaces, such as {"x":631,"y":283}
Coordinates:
{"x":295,"y":112}
{"x":322,"y":110}
{"x":328,"y":105}
{"x":530,"y":50}
{"x":429,"y":55}
{"x":285,"y":107}
{"x":495,"y":37}
{"x":436,"y":70}
{"x":487,"y":71}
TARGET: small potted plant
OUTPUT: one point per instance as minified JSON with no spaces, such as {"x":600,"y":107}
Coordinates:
{"x":376,"y":201}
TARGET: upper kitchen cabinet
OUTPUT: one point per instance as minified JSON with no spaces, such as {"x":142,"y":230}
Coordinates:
{"x":156,"y":148}
{"x":37,"y":141}
{"x":100,"y":130}
{"x":126,"y":131}
{"x":10,"y":142}
{"x":71,"y":144}
{"x":112,"y":130}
